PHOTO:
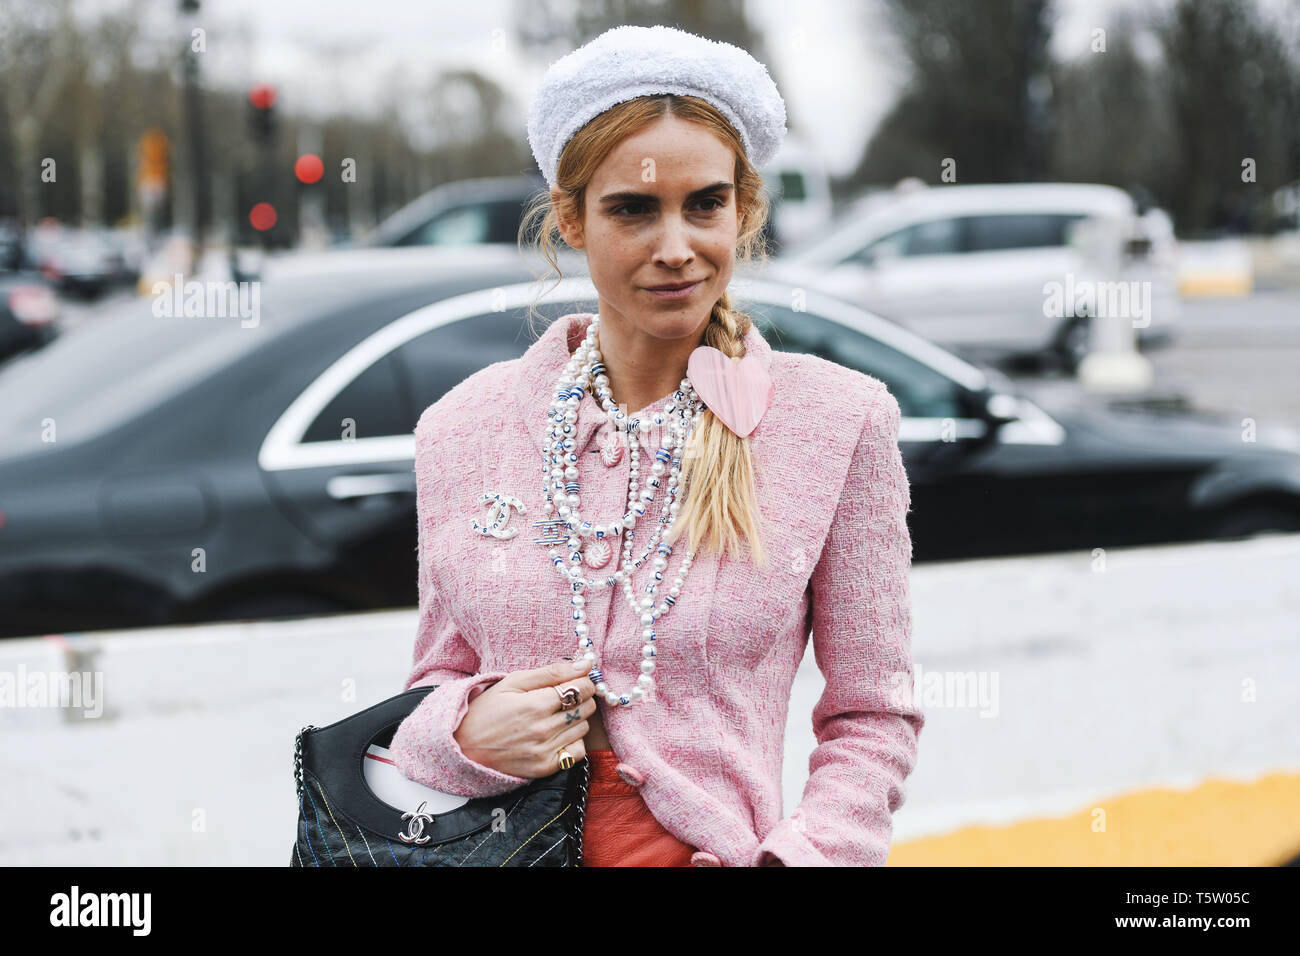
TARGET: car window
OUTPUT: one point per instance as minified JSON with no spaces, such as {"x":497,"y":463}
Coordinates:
{"x":506,"y":217}
{"x":937,"y":237}
{"x":792,"y":186}
{"x":1018,"y":231}
{"x":471,"y":224}
{"x":887,"y":247}
{"x":388,"y":398}
{"x":374,"y":403}
{"x":445,"y":356}
{"x":464,"y":225}
{"x":921,"y":391}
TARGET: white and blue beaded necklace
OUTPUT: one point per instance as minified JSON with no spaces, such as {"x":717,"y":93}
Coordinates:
{"x":585,"y":373}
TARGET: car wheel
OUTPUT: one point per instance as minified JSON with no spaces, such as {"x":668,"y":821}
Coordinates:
{"x":1248,"y":521}
{"x":1075,"y":343}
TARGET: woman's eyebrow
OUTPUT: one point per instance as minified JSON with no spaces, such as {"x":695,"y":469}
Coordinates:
{"x":628,"y":196}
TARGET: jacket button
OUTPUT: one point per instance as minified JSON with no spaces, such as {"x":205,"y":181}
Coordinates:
{"x":630,"y":775}
{"x":701,"y":858}
{"x":610,"y":446}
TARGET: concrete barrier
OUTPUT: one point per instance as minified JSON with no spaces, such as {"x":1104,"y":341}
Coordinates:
{"x":1131,"y":707}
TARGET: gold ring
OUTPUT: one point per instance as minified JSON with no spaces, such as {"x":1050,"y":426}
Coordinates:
{"x":569,"y":697}
{"x":566,"y":759}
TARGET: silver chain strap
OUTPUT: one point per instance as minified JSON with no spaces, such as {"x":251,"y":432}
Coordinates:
{"x":582,"y":802}
{"x":297,"y":758}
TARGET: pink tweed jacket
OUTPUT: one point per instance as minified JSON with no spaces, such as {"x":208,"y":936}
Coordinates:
{"x":705,"y":750}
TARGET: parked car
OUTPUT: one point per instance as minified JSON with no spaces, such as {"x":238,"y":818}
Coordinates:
{"x":203,"y":470}
{"x":471,"y":213}
{"x":465,"y":212}
{"x":970,"y":267}
{"x":29,"y":309}
{"x":374,"y":260}
{"x":83,"y":262}
{"x":134,"y":250}
{"x":13,"y":250}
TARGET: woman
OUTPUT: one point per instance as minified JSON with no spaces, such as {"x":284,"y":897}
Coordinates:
{"x":753,"y":532}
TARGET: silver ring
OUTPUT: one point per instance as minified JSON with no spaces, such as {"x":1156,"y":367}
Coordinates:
{"x":569,"y":697}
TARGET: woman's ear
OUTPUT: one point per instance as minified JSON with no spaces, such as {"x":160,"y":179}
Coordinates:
{"x":570,"y":231}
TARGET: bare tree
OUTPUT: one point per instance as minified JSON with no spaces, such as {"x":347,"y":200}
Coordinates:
{"x":36,"y":42}
{"x":1112,"y":122}
{"x":1232,"y":96}
{"x":979,"y":93}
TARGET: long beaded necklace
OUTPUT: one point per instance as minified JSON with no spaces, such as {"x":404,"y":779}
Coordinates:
{"x":585,"y":373}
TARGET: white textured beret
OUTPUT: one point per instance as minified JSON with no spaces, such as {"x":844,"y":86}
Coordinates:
{"x":626,"y":62}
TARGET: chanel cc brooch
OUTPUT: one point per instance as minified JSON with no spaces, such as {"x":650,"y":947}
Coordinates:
{"x":498,"y":515}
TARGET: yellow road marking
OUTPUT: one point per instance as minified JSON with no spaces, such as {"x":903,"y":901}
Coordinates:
{"x":1217,"y":823}
{"x":1210,"y":284}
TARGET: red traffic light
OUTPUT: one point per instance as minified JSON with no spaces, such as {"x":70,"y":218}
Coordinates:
{"x":262,"y":96}
{"x":309,"y":168}
{"x":262,"y":216}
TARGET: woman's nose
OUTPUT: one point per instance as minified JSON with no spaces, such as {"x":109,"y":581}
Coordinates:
{"x":673,"y":244}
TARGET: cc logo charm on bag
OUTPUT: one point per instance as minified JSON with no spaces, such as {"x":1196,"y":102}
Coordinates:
{"x":498,"y":515}
{"x":418,"y":819}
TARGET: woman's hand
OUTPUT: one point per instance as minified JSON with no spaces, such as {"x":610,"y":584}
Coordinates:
{"x":516,"y":726}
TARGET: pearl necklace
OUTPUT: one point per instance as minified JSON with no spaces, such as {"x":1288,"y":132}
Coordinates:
{"x":586,"y":373}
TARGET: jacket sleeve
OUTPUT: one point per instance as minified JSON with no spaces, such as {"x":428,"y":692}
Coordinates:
{"x":424,"y":746}
{"x":865,"y":721}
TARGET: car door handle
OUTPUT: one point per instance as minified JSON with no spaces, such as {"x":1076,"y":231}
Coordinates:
{"x":344,"y":487}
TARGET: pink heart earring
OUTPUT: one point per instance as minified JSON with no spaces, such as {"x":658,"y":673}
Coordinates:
{"x":738,"y":393}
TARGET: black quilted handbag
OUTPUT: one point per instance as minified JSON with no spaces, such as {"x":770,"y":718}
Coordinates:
{"x":342,"y":823}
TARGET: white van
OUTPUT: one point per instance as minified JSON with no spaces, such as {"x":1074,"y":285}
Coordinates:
{"x":981,"y":270}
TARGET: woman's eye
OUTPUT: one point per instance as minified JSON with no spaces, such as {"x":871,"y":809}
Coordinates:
{"x":710,"y":204}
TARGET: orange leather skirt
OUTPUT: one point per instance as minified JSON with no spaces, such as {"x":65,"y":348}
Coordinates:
{"x":618,"y":829}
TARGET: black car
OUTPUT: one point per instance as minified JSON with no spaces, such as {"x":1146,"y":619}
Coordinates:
{"x":157,"y":470}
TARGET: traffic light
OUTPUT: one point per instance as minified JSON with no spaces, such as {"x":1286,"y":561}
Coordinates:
{"x":261,"y":116}
{"x":309,"y":168}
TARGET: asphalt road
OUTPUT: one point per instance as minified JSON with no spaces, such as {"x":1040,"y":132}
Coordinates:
{"x":1239,"y":356}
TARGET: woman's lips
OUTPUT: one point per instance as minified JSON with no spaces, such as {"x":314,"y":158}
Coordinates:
{"x":682,"y":293}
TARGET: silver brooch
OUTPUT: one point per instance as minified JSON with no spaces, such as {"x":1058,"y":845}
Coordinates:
{"x":498,"y":515}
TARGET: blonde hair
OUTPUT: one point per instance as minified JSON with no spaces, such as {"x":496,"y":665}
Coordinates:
{"x":721,"y":502}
